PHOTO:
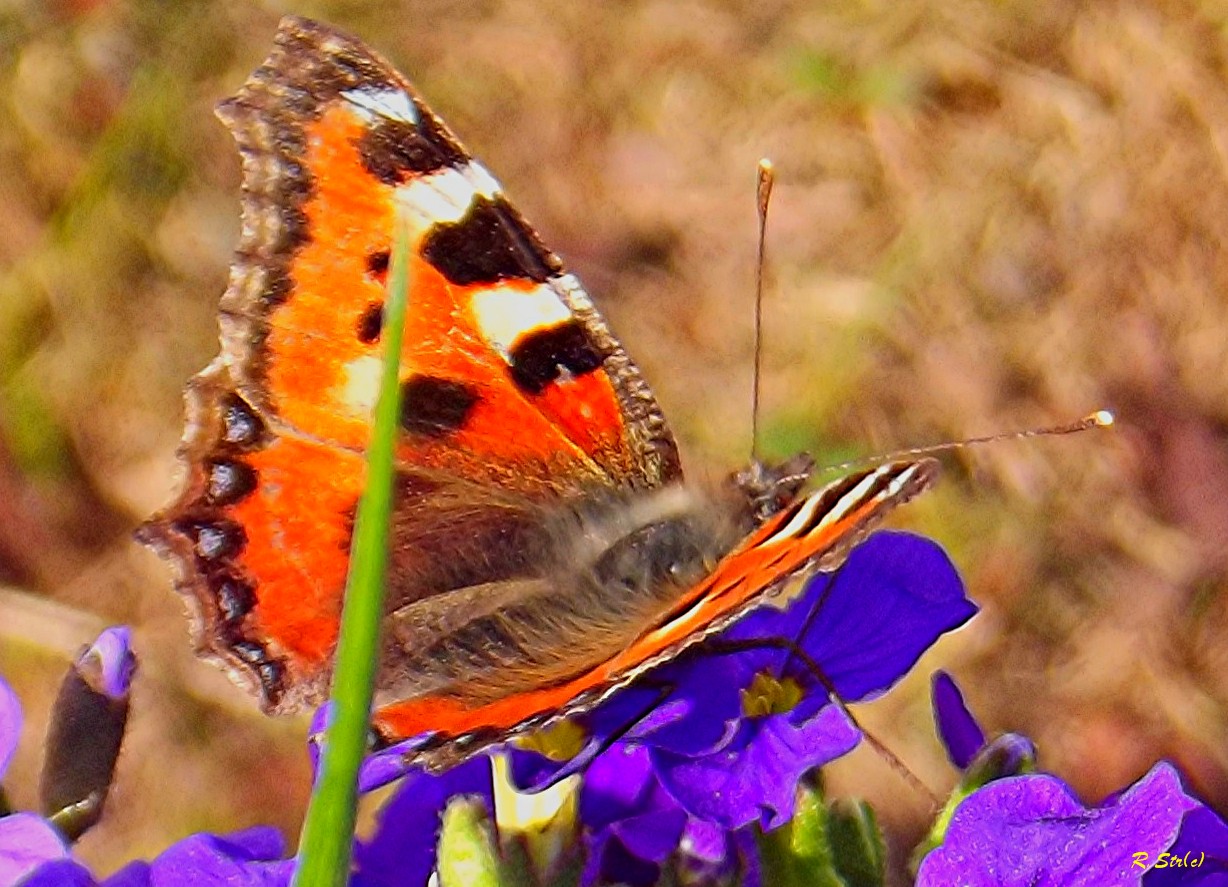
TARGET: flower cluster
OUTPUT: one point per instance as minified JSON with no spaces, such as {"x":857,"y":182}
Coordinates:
{"x":689,"y":775}
{"x":1008,"y":825}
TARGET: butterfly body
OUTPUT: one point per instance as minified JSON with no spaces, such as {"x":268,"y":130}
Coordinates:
{"x":545,"y":549}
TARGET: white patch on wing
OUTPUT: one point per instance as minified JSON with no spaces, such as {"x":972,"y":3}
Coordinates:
{"x":504,"y":314}
{"x":360,"y":388}
{"x":800,"y":523}
{"x":481,"y":179}
{"x":793,"y":528}
{"x":445,"y":196}
{"x":394,"y":104}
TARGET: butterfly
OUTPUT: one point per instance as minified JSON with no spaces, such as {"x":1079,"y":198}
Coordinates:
{"x":545,"y":550}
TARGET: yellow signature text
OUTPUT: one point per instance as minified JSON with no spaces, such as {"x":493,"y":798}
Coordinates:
{"x":1169,"y":861}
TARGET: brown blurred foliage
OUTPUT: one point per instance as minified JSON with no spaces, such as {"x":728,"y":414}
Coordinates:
{"x":988,"y":216}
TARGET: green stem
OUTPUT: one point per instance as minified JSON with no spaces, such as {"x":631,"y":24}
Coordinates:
{"x":328,"y":832}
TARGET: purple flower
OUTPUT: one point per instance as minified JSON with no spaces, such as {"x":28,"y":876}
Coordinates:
{"x":10,"y":725}
{"x":402,"y":852}
{"x":961,"y":735}
{"x":864,"y":626}
{"x":85,"y":733}
{"x":1203,"y":838}
{"x":733,"y":724}
{"x":27,"y":841}
{"x":87,"y":723}
{"x":716,"y":742}
{"x":1031,"y":829}
{"x":633,"y":828}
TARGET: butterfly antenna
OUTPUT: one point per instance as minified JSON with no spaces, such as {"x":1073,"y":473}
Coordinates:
{"x":764,"y":178}
{"x":1098,"y":419}
{"x":796,"y":650}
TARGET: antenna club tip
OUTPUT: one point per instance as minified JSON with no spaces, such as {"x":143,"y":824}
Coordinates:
{"x":765,"y":165}
{"x":1102,"y":419}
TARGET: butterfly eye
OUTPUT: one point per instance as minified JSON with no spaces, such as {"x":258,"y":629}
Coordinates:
{"x":681,"y":573}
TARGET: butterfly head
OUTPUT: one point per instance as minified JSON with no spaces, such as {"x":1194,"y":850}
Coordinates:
{"x":767,"y":488}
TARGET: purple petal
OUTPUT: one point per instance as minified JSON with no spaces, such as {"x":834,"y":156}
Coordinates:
{"x":109,"y":662}
{"x":755,"y":779}
{"x":532,"y":771}
{"x":27,"y":841}
{"x":960,"y":733}
{"x":61,"y":873}
{"x":402,"y":851}
{"x":1204,"y":837}
{"x":703,"y":707}
{"x":249,"y":858}
{"x":1032,"y":830}
{"x":706,"y":841}
{"x":683,"y":719}
{"x":628,"y":814}
{"x":653,"y":836}
{"x":134,"y":874}
{"x":628,"y":712}
{"x":387,"y":765}
{"x":378,"y":769}
{"x":10,"y":725}
{"x":895,"y":595}
{"x":609,"y":862}
{"x":619,"y":783}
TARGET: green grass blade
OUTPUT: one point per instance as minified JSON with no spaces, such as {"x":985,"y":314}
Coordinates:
{"x":328,"y":832}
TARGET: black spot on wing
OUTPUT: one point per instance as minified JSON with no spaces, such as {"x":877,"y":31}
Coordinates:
{"x":242,"y":428}
{"x":377,"y":262}
{"x":235,"y":597}
{"x":228,"y":481}
{"x":490,"y":243}
{"x":395,"y":150}
{"x":433,"y":407}
{"x":539,"y":357}
{"x":213,"y":540}
{"x":271,"y":672}
{"x":371,"y":323}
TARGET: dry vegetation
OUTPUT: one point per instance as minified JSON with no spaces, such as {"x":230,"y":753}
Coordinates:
{"x":988,"y":216}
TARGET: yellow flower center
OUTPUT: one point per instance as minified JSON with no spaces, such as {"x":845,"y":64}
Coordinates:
{"x":770,"y":695}
{"x":558,"y":742}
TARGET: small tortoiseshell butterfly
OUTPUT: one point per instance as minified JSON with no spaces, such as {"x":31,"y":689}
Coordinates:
{"x":544,"y":548}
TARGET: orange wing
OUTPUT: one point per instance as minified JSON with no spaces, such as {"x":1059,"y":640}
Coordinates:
{"x":510,"y":379}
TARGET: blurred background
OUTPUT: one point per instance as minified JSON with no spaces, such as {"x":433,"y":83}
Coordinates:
{"x":988,"y":216}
